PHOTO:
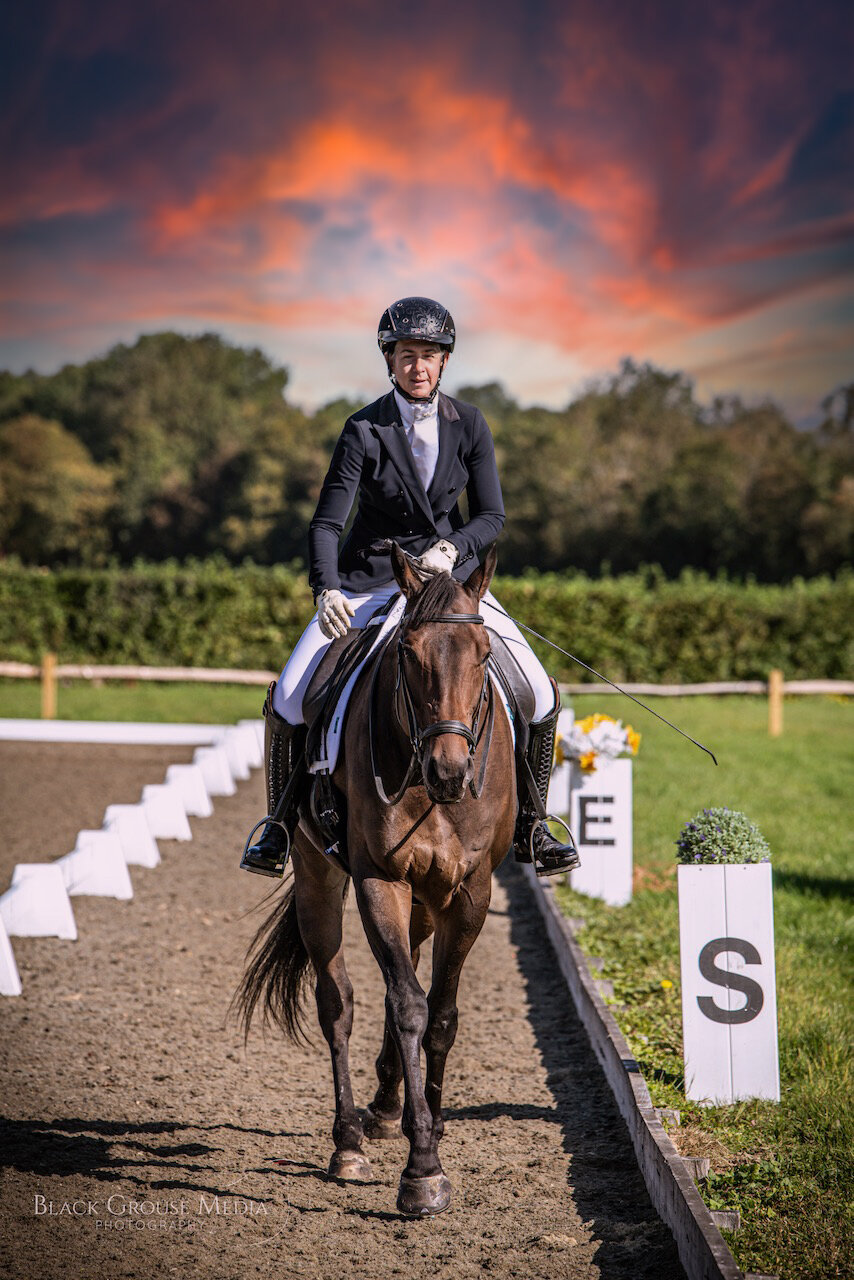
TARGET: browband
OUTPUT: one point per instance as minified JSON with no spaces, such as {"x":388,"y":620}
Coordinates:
{"x":452,"y":617}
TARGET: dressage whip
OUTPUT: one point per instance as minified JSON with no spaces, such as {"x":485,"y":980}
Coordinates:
{"x":599,"y":676}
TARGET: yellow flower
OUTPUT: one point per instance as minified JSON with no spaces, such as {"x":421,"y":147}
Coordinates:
{"x":587,"y":762}
{"x":633,"y":738}
{"x":666,"y":984}
{"x":559,"y":756}
{"x":591,"y":721}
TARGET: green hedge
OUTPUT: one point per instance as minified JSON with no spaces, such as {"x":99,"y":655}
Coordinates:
{"x":634,"y":627}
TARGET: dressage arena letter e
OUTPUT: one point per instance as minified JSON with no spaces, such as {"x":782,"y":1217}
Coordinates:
{"x":600,"y":815}
{"x":586,"y":819}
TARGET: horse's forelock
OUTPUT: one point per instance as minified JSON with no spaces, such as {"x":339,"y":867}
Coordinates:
{"x":436,"y":596}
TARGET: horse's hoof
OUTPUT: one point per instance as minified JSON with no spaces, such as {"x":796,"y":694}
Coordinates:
{"x":350,"y":1166}
{"x":376,"y":1127}
{"x":423,"y":1197}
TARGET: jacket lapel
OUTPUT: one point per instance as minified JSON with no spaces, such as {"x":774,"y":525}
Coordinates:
{"x":389,"y":430}
{"x":448,"y":439}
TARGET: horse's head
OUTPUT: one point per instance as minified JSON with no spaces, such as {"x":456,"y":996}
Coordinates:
{"x":442,"y":655}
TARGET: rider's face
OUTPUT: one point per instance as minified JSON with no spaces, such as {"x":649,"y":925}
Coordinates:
{"x":416,"y":367}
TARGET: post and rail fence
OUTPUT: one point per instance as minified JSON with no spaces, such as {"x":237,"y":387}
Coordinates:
{"x":50,"y":672}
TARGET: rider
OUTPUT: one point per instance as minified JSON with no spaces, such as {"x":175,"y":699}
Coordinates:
{"x":408,"y":456}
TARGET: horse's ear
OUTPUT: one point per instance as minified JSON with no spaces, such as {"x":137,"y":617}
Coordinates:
{"x":405,"y":576}
{"x":478,"y":582}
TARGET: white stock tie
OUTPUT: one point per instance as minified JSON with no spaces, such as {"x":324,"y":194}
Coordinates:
{"x":421,"y":424}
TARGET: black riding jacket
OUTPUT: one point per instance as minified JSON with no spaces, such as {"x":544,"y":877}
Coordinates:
{"x":373,"y":458}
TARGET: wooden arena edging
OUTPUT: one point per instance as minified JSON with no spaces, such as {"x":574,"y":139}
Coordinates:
{"x":702,"y":1249}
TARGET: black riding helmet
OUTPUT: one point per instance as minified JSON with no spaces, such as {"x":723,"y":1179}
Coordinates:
{"x":420,"y":319}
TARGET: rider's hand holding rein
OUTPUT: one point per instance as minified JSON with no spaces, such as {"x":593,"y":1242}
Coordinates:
{"x":333,"y":609}
{"x":442,"y":556}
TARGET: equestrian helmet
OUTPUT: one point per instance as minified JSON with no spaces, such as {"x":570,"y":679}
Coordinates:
{"x":418,"y":318}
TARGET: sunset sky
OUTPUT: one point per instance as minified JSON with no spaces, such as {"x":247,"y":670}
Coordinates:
{"x":578,"y":181}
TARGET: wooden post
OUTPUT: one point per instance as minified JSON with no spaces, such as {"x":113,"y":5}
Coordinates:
{"x":775,"y":702}
{"x":48,"y":686}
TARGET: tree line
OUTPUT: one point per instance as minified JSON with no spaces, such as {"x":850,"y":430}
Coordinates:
{"x":187,"y":446}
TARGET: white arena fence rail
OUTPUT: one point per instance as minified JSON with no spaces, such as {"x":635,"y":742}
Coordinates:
{"x":49,"y":671}
{"x":225,"y":675}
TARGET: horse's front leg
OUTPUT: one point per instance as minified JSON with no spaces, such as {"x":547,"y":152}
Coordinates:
{"x":385,"y":908}
{"x":382,"y":1115}
{"x":456,"y":931}
{"x":320,"y":898}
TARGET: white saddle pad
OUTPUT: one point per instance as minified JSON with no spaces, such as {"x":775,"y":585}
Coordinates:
{"x":331,"y":740}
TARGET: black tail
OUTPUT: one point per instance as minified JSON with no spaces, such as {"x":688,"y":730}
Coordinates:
{"x":276,"y":973}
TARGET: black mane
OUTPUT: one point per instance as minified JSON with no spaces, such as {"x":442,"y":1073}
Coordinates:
{"x":435,"y":597}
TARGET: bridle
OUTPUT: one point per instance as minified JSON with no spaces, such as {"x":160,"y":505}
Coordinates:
{"x":418,"y":737}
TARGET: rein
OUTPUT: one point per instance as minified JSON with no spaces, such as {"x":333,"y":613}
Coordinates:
{"x":418,"y":737}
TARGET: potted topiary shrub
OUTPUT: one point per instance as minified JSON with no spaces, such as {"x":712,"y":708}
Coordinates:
{"x":726,"y":942}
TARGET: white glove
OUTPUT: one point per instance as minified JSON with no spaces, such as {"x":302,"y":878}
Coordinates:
{"x":440,"y":558}
{"x":333,"y":613}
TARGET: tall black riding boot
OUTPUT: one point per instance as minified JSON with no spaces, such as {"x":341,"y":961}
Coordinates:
{"x":533,"y":841}
{"x":284,"y":745}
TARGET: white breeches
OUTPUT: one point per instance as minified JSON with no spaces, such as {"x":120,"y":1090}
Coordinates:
{"x":309,"y":649}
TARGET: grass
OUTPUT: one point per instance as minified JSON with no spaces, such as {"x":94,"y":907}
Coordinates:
{"x":172,"y":703}
{"x":786,"y":1167}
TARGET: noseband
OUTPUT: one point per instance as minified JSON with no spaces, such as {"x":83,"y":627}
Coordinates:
{"x":418,"y":737}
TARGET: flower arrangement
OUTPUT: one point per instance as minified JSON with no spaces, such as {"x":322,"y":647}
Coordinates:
{"x":721,"y":835}
{"x":594,"y":737}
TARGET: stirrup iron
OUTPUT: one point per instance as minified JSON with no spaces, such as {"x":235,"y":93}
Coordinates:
{"x":279,"y":868}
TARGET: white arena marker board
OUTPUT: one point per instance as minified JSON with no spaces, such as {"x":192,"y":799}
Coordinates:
{"x":10,"y":980}
{"x":37,"y":905}
{"x":213,"y":762}
{"x":130,"y":824}
{"x":729,"y":999}
{"x":165,"y":812}
{"x":257,"y":727}
{"x":600,"y":818}
{"x":233,"y":742}
{"x":252,"y":750}
{"x":190,"y":783}
{"x":97,"y":866}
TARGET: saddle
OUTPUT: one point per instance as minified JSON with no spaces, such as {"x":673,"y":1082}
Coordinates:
{"x":322,"y":700}
{"x":346,"y":653}
{"x":338,"y":663}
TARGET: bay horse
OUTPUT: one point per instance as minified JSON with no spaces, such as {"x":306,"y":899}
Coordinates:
{"x":427,"y":770}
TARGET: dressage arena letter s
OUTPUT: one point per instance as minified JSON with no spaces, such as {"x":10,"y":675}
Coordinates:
{"x":726,"y":978}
